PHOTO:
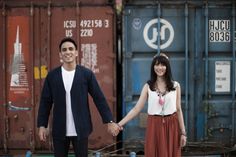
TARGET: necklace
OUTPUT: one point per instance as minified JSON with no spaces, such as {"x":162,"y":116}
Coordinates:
{"x":161,"y":101}
{"x":161,"y":96}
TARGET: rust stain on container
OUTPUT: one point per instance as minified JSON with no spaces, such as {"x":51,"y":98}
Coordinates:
{"x":33,"y":35}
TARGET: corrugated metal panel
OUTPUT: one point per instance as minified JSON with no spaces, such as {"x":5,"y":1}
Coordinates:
{"x":33,"y":35}
{"x":170,"y":3}
{"x":219,"y":91}
{"x":199,"y":38}
{"x":2,"y":86}
{"x":56,"y":2}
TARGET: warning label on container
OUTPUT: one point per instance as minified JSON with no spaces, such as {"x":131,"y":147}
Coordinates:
{"x":222,"y":76}
{"x":89,"y":56}
{"x":219,"y":30}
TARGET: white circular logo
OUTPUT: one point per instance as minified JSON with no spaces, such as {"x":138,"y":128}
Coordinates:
{"x":152,"y":42}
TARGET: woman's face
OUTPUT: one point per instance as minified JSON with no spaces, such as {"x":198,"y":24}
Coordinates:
{"x":160,"y":69}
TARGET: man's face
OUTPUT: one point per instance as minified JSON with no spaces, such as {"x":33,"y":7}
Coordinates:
{"x":68,"y":53}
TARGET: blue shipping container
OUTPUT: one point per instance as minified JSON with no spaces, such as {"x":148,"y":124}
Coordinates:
{"x":200,"y":40}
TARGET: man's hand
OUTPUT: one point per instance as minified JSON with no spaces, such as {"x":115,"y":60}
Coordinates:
{"x":43,"y":133}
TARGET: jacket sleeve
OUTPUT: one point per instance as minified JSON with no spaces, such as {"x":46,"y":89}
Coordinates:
{"x":99,"y":99}
{"x":45,"y":105}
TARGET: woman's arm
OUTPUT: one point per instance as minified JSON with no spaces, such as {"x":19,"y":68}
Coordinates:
{"x":180,"y":118}
{"x":137,"y":108}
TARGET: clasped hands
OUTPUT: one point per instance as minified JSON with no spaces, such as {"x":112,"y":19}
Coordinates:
{"x":114,"y":128}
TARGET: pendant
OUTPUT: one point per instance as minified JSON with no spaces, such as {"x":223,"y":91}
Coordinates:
{"x":161,"y":100}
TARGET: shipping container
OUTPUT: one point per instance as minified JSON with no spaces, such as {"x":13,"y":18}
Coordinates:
{"x":31,"y":32}
{"x":197,"y":35}
{"x":199,"y":38}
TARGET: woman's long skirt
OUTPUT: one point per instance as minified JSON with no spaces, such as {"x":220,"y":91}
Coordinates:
{"x":162,"y":136}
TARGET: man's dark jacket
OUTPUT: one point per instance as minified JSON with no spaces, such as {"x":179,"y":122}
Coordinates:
{"x":53,"y":95}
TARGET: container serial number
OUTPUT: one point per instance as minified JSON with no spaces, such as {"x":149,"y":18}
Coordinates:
{"x":86,"y":32}
{"x":94,"y":23}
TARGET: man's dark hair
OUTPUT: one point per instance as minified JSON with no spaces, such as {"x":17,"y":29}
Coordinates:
{"x":67,"y":40}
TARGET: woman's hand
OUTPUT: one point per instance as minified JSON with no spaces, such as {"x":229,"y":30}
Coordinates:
{"x":183,"y":140}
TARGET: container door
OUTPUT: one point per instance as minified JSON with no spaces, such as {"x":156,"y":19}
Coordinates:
{"x":29,"y":49}
{"x":19,"y":111}
{"x":93,"y":30}
{"x":218,"y":57}
{"x":142,"y":40}
{"x":97,"y":53}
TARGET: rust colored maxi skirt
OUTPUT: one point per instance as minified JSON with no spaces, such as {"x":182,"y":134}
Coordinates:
{"x":162,"y":136}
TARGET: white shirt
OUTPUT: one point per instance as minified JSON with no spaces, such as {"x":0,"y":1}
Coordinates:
{"x":68,"y":77}
{"x":169,"y":107}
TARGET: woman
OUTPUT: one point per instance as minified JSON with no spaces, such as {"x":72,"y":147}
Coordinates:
{"x":165,"y":133}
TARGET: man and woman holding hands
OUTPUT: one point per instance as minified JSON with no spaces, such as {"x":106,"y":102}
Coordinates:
{"x":66,"y":90}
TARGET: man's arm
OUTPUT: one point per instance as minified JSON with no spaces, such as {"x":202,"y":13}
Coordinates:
{"x":102,"y":105}
{"x":99,"y":99}
{"x":44,"y":110}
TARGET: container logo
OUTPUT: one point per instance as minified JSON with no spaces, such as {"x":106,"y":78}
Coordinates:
{"x":150,"y":33}
{"x":19,"y":71}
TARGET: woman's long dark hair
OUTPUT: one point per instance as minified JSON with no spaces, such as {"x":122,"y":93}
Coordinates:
{"x":160,"y":59}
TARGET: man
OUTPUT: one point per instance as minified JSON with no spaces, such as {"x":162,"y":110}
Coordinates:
{"x":66,"y":89}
